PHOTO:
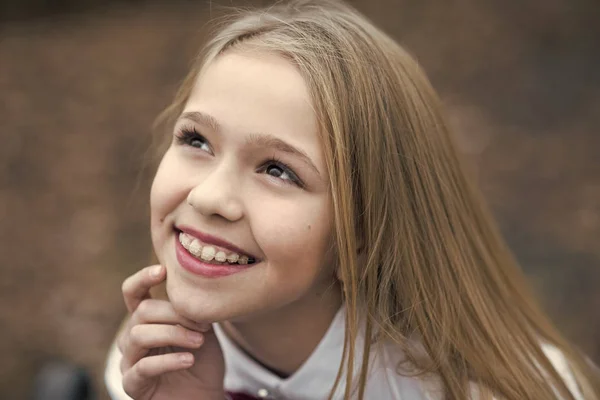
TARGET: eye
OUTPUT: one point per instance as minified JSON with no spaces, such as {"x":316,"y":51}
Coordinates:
{"x":281,"y":171}
{"x":277,"y":172}
{"x":191,"y":137}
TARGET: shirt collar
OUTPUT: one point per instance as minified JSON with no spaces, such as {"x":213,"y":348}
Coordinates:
{"x":313,"y":380}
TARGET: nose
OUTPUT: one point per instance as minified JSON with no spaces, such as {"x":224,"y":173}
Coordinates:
{"x":217,"y":194}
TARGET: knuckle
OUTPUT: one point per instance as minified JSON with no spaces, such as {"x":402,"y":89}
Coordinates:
{"x":142,"y":368}
{"x":126,"y":287}
{"x":120,"y":341}
{"x":123,"y":366}
{"x":143,"y":309}
{"x":128,"y":384}
{"x":179,"y":334}
{"x":136,"y":335}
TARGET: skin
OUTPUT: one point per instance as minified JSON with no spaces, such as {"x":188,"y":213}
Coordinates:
{"x":225,"y":183}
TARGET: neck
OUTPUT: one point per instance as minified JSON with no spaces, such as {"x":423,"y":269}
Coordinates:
{"x":282,"y":340}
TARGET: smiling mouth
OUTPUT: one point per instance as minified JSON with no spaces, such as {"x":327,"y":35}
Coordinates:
{"x":211,"y":254}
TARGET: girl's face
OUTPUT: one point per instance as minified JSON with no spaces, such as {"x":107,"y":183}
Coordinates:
{"x":245,"y":166}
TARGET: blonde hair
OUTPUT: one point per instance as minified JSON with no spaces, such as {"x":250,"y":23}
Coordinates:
{"x":433,"y":265}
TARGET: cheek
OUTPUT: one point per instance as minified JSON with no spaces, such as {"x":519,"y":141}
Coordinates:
{"x":295,"y":238}
{"x":166,"y":194}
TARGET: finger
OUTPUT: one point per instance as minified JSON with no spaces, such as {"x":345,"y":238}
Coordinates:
{"x":140,"y":376}
{"x":143,"y":338}
{"x":137,"y":287}
{"x":154,"y":311}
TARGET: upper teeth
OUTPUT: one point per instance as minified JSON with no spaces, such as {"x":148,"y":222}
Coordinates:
{"x":208,"y":253}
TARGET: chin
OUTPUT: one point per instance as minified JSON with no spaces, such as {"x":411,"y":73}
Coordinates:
{"x":199,"y":304}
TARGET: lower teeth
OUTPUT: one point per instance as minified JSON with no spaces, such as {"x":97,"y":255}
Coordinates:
{"x":215,"y":262}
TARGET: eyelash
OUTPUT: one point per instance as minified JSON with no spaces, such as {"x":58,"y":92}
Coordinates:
{"x":274,"y":161}
{"x":187,"y":135}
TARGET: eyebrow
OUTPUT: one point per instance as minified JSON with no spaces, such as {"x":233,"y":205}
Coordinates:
{"x":202,"y":119}
{"x":254,"y":139}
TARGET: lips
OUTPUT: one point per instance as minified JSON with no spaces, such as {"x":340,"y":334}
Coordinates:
{"x":205,"y":269}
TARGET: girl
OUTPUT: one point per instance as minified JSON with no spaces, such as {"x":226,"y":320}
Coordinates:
{"x":319,"y":239}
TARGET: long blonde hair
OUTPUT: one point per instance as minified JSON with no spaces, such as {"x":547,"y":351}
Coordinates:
{"x":433,"y":264}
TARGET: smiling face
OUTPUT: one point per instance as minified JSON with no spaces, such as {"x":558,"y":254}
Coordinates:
{"x":246,"y":166}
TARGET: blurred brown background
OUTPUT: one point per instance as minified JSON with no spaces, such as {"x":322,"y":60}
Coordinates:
{"x":81,"y":81}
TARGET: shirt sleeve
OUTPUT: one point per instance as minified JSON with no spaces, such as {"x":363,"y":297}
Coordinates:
{"x":561,"y":364}
{"x":113,"y":378}
{"x":386,"y":383}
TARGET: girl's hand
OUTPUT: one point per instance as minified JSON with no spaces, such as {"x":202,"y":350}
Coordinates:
{"x":166,"y":356}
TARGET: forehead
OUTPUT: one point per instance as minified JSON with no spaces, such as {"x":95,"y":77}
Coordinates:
{"x":258,"y":93}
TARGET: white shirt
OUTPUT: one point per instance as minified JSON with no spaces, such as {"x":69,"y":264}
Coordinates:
{"x":315,"y":378}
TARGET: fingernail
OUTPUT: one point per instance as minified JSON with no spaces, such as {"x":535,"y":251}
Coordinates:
{"x":194,"y":337}
{"x":186,"y":358}
{"x":203,"y":327}
{"x":155,"y":271}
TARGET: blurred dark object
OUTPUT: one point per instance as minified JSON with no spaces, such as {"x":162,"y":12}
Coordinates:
{"x":62,"y":381}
